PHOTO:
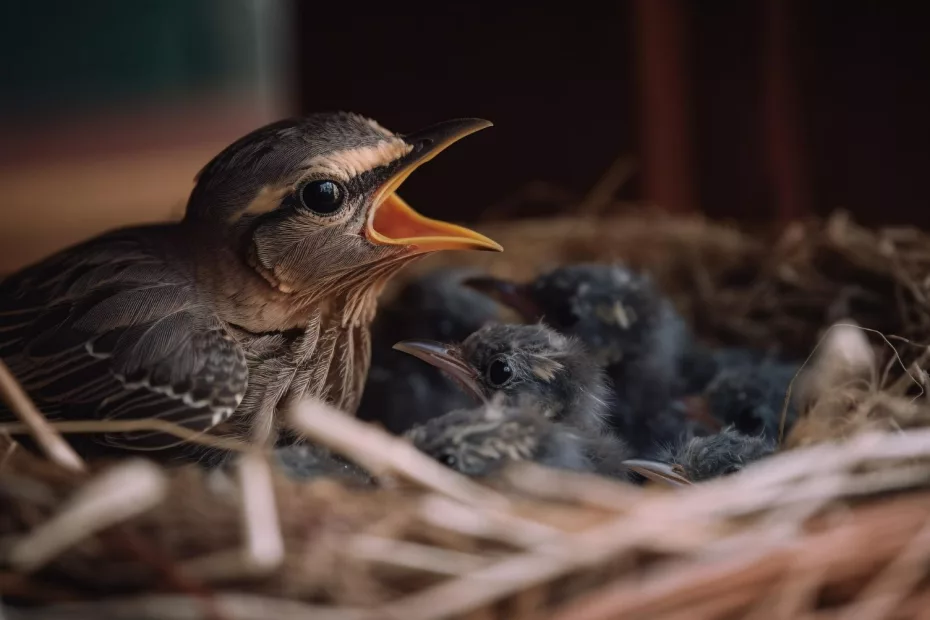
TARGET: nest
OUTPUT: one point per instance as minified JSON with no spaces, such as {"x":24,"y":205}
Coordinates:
{"x":835,"y":524}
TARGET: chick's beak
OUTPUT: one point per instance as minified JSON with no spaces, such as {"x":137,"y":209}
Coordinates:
{"x":671,"y":475}
{"x":393,"y":222}
{"x":513,"y":295}
{"x":447,"y":359}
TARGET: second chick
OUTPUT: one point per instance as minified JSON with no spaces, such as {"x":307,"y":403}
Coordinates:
{"x":531,"y":364}
{"x":480,"y":442}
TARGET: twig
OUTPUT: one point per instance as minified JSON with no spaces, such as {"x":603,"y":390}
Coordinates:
{"x":260,"y":524}
{"x":173,"y":578}
{"x":679,"y":586}
{"x":262,"y":550}
{"x":797,"y":592}
{"x":560,"y":485}
{"x":232,"y":606}
{"x":414,"y":556}
{"x":8,"y":450}
{"x":382,"y":453}
{"x":131,"y":426}
{"x":823,"y":339}
{"x":547,"y":562}
{"x":52,"y":443}
{"x":443,"y":513}
{"x":717,"y":607}
{"x":115,"y":495}
{"x":892,"y":586}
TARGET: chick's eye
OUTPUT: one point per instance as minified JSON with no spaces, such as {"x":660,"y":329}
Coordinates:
{"x":323,"y":197}
{"x":499,"y":373}
{"x":448,"y":460}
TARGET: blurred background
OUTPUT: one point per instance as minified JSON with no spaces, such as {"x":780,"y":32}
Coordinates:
{"x":759,"y":111}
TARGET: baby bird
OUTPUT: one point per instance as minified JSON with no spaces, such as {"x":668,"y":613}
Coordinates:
{"x":551,"y":373}
{"x":751,"y":397}
{"x":702,"y":363}
{"x":629,"y":327}
{"x":704,"y":458}
{"x":400,"y":391}
{"x":619,"y":314}
{"x":305,"y":460}
{"x":480,"y":442}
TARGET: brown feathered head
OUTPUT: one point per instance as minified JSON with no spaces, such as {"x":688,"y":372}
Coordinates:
{"x":311,"y":201}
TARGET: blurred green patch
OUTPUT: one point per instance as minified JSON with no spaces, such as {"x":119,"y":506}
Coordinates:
{"x":62,"y":56}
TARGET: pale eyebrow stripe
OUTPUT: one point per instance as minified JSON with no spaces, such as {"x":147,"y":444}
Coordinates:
{"x":350,"y":163}
{"x":267,"y":199}
{"x":342,"y":165}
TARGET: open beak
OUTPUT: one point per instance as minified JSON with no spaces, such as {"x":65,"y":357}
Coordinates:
{"x":657,"y":471}
{"x":513,"y":295}
{"x":447,"y":359}
{"x":393,"y":222}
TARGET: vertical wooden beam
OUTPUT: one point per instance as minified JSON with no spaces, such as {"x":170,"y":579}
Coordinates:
{"x":665,"y":105}
{"x":785,"y":154}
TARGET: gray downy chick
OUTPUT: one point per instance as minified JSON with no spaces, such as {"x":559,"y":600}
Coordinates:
{"x":479,"y":442}
{"x":530,"y":364}
{"x":400,"y":391}
{"x":306,"y":461}
{"x":629,"y":327}
{"x":703,"y":458}
{"x":751,"y":397}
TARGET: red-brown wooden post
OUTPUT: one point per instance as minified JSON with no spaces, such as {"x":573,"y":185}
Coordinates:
{"x":667,"y":147}
{"x":785,"y":156}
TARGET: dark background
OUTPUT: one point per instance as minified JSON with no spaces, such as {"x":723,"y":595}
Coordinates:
{"x":566,"y":91}
{"x":755,"y":110}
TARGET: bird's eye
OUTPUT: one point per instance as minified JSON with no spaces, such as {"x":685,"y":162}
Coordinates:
{"x":323,"y":197}
{"x":499,"y":372}
{"x":448,"y":460}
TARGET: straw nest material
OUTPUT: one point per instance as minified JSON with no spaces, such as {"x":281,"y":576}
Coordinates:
{"x":835,"y":525}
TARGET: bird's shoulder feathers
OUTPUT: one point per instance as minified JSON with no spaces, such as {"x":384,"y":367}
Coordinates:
{"x":114,"y":328}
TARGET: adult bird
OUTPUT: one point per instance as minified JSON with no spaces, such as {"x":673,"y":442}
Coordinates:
{"x":261,"y":296}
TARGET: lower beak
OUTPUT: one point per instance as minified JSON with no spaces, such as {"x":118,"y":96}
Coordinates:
{"x":393,"y":222}
{"x":447,"y":359}
{"x":657,"y":471}
{"x":513,"y":295}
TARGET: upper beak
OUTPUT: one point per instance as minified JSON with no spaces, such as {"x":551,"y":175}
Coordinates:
{"x":511,"y":294}
{"x":447,"y":359}
{"x":393,"y":222}
{"x":657,"y":471}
